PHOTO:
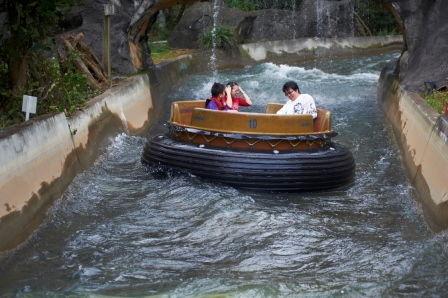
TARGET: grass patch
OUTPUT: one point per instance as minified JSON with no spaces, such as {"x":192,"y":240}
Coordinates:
{"x":161,"y":52}
{"x":436,"y":100}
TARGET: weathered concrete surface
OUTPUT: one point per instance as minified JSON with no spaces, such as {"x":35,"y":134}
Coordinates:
{"x":40,"y":158}
{"x":32,"y":163}
{"x":423,"y":137}
{"x":322,"y":47}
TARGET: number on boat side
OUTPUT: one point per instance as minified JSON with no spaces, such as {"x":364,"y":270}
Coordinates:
{"x":253,"y":123}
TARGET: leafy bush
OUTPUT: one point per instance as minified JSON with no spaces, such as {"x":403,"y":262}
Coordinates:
{"x":384,"y":32}
{"x":436,"y":100}
{"x":58,"y":86}
{"x":167,"y":19}
{"x":246,"y":5}
{"x":25,"y":26}
{"x":10,"y":103}
{"x":158,"y":32}
{"x":249,"y":5}
{"x":377,"y":18}
{"x":279,"y":4}
{"x":220,"y":37}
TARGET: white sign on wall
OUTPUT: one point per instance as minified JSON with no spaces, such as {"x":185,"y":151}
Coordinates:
{"x":29,"y":105}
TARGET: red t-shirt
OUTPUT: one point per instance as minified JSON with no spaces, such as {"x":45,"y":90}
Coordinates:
{"x":237,"y":102}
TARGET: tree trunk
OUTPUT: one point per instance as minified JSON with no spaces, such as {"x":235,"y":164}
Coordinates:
{"x":18,"y":66}
{"x":362,"y":24}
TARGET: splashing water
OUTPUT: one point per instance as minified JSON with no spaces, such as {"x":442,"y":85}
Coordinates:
{"x":118,"y":231}
{"x":123,"y":120}
{"x":212,"y":62}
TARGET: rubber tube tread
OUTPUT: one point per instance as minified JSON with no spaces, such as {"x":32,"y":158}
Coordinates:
{"x":295,"y":171}
{"x":174,"y":159}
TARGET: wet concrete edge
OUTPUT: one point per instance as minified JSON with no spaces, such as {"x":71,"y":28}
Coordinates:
{"x":422,"y":135}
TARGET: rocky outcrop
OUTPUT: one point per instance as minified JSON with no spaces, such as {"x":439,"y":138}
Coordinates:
{"x":425,"y":54}
{"x":129,"y":26}
{"x":200,"y":17}
{"x":424,"y":25}
{"x":311,"y":19}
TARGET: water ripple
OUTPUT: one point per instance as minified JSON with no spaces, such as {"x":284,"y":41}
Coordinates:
{"x":118,"y":231}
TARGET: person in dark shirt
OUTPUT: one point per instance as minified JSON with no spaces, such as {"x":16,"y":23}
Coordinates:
{"x":220,"y":99}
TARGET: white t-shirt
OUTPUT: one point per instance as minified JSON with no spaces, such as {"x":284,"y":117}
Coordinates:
{"x":304,"y":104}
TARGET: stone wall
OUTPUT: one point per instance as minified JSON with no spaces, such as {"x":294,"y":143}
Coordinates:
{"x":41,"y":157}
{"x":425,"y":52}
{"x":328,"y":19}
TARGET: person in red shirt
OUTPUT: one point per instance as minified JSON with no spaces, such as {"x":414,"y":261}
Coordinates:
{"x":236,"y":100}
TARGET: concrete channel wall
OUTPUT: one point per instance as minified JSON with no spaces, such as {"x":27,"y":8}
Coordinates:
{"x":40,"y":158}
{"x":422,"y":135}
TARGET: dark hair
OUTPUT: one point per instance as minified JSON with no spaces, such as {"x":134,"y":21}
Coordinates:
{"x":217,"y":89}
{"x":291,"y":85}
{"x":231,"y":84}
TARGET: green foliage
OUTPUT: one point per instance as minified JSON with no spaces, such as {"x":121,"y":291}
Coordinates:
{"x":220,"y":37}
{"x":27,"y":23}
{"x":31,"y":21}
{"x":10,"y":107}
{"x":246,"y":5}
{"x":58,"y":86}
{"x":279,"y":4}
{"x":377,"y":18}
{"x":249,"y":5}
{"x":158,"y":32}
{"x":385,"y":32}
{"x":159,"y":49}
{"x":437,"y":100}
{"x":166,"y":21}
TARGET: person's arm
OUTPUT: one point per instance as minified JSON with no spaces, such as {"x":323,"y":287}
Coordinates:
{"x":212,"y":105}
{"x":284,"y":109}
{"x":246,"y":97}
{"x":228,"y":101}
{"x":311,"y":107}
{"x":313,"y":111}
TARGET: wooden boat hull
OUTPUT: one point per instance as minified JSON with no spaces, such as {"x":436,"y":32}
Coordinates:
{"x":315,"y":169}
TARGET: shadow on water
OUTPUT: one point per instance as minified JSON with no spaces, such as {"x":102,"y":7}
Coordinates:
{"x":118,"y":231}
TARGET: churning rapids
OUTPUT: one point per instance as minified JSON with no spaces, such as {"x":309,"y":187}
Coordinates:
{"x":117,"y":231}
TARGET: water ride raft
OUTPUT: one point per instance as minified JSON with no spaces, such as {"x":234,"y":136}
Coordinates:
{"x":261,"y":151}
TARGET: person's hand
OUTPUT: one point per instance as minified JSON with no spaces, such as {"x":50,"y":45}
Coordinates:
{"x":228,"y":90}
{"x":246,"y":97}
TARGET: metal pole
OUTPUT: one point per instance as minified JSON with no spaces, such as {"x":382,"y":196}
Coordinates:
{"x":108,"y":10}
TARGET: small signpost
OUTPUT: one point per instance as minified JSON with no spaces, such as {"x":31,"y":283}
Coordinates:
{"x":108,"y":10}
{"x":29,"y":105}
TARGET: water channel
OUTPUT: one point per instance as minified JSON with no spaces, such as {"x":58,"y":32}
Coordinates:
{"x":117,"y":231}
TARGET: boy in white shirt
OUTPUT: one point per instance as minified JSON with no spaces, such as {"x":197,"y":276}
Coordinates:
{"x":297,"y":103}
